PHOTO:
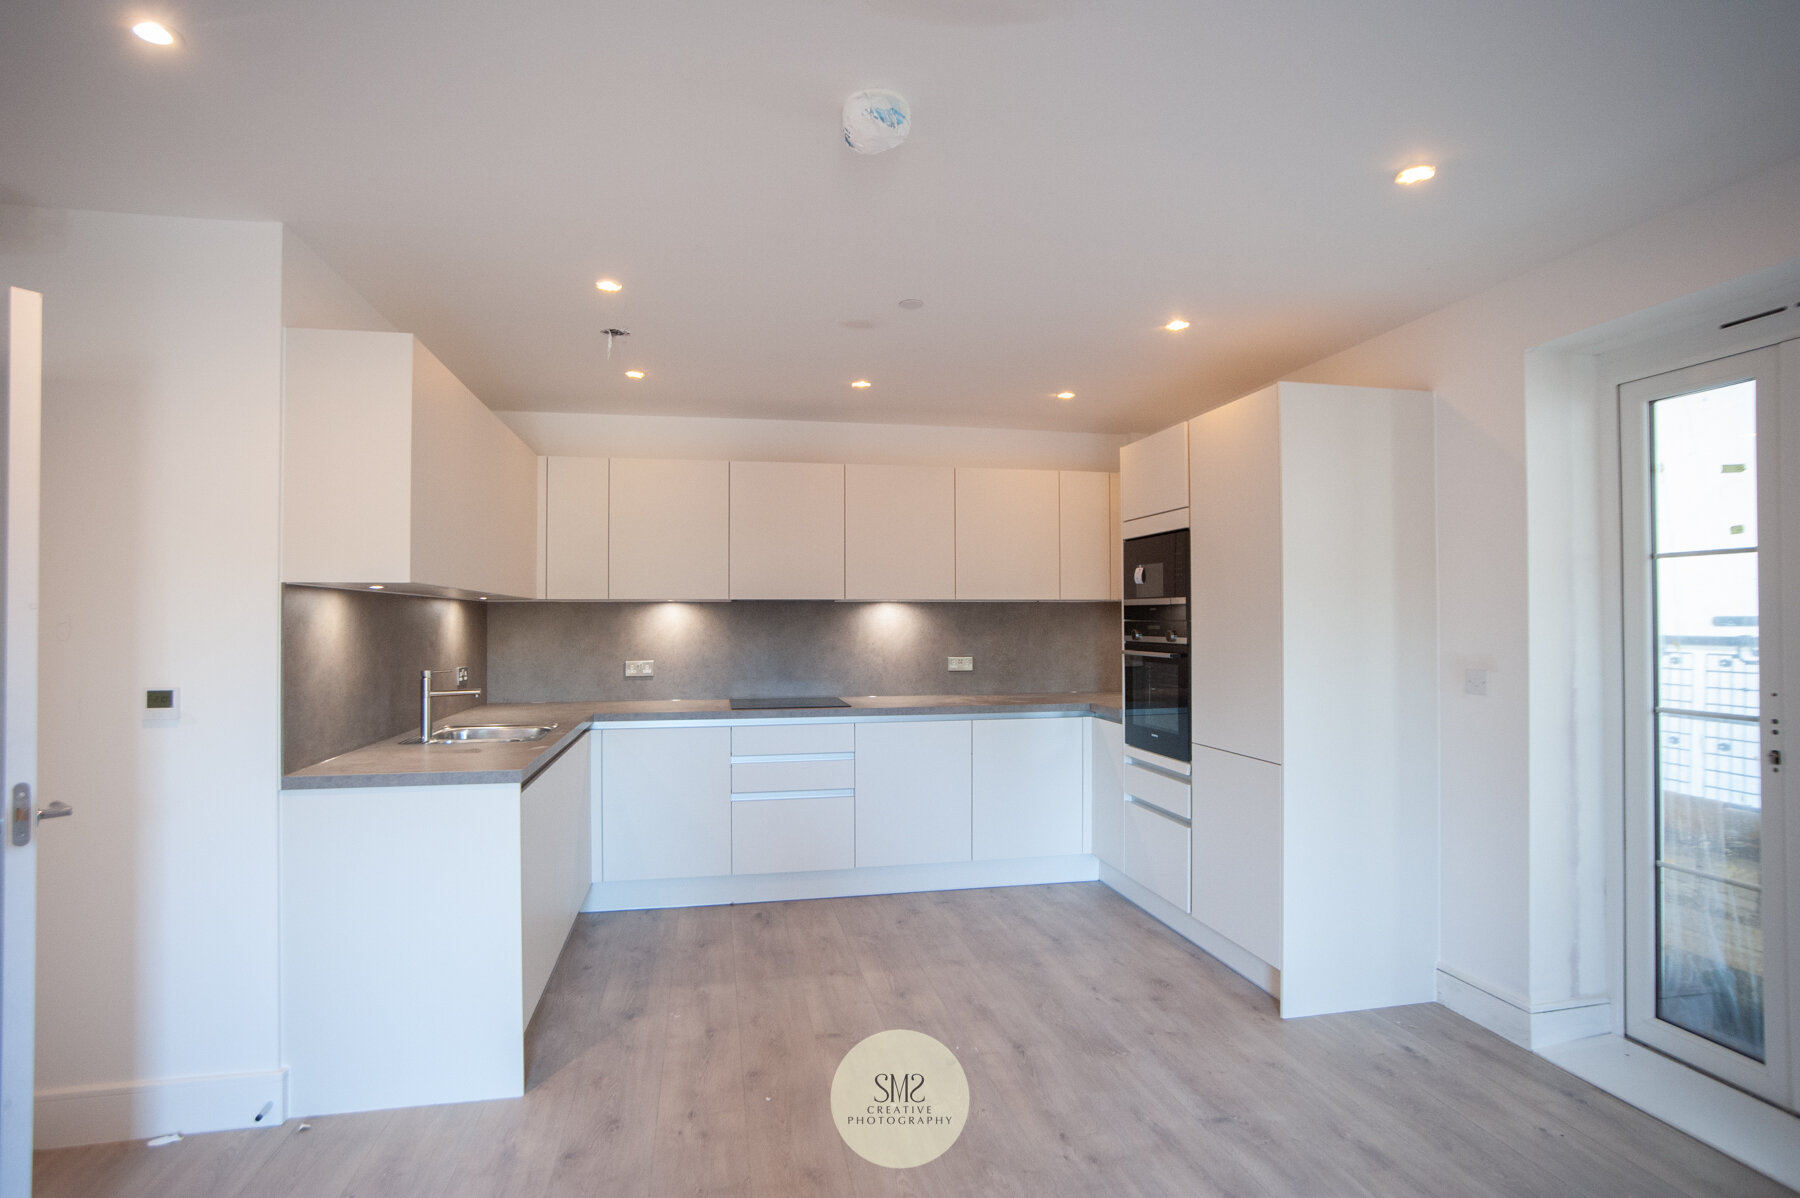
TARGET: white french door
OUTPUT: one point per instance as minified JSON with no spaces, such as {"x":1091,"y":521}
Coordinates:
{"x":1710,"y":463}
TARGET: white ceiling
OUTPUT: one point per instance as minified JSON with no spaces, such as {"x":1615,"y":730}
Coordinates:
{"x":1079,"y":172}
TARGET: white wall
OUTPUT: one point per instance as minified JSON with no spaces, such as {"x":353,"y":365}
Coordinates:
{"x":1519,"y":569}
{"x":587,"y":435}
{"x":157,"y":936}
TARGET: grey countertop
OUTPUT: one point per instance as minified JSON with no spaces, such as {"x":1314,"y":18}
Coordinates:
{"x":391,"y":763}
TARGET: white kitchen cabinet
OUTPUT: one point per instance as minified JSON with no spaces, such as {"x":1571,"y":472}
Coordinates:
{"x":669,"y":529}
{"x":899,"y":532}
{"x":1153,"y":476}
{"x":1106,"y":747}
{"x":795,"y":835}
{"x":575,"y":527}
{"x":1086,"y":535}
{"x":556,"y":867}
{"x":913,"y":792}
{"x":1115,"y":539}
{"x":1155,"y":852}
{"x":1237,"y":883}
{"x":665,"y":803}
{"x":394,"y":473}
{"x":1008,"y":537}
{"x":787,"y":530}
{"x":1314,"y":643}
{"x":1027,"y":787}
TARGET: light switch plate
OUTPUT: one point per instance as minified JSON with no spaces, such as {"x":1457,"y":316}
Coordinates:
{"x":640,"y":669}
{"x":962,"y":664}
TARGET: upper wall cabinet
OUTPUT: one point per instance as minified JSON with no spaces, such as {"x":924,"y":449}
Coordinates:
{"x":787,"y":530}
{"x":1008,"y":538}
{"x":899,"y":532}
{"x":575,"y":528}
{"x":393,"y":473}
{"x":1087,"y":537}
{"x":1153,"y":475}
{"x":669,"y":529}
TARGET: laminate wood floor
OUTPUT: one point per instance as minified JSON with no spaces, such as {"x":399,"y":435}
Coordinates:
{"x":690,"y":1052}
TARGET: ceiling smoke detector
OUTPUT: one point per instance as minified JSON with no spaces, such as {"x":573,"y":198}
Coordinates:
{"x":875,"y":121}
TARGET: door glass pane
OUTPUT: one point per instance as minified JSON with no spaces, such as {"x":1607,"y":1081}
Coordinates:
{"x":1709,"y":771}
{"x":1707,"y":637}
{"x":1705,"y":469}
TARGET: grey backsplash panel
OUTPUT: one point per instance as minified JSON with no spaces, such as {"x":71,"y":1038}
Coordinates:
{"x":350,"y":663}
{"x":572,"y":651}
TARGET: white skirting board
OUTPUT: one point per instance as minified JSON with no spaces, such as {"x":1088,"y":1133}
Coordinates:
{"x":838,"y":883}
{"x":1239,"y":960}
{"x":1508,"y":1016}
{"x":101,"y":1114}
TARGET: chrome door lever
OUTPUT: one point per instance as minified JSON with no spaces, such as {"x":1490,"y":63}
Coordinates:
{"x":55,"y":810}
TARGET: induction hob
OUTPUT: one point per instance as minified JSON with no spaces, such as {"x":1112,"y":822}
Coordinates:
{"x":776,"y":704}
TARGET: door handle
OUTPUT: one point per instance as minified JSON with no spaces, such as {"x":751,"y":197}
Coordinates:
{"x":55,"y":810}
{"x":1142,"y":653}
{"x":1137,"y":575}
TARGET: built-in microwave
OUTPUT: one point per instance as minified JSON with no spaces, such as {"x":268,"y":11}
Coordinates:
{"x":1157,"y":669}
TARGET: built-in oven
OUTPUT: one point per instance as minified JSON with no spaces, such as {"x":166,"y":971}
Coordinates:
{"x":1156,"y":665}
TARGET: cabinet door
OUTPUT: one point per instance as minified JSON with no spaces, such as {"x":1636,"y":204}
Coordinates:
{"x":575,"y":528}
{"x":669,"y":529}
{"x":1156,"y":853}
{"x":1084,"y":514}
{"x":1237,"y":850}
{"x":912,"y":792}
{"x":554,"y":863}
{"x":899,"y":532}
{"x":1106,"y":763}
{"x":786,"y":836}
{"x":1027,"y":787}
{"x":1007,"y":536}
{"x":1115,"y":535}
{"x":787,"y":530}
{"x":665,"y":803}
{"x":1235,"y":551}
{"x":1153,"y":474}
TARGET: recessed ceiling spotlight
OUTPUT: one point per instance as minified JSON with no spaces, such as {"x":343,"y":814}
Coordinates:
{"x":1415,"y":174}
{"x":1176,"y":325}
{"x":609,"y":285}
{"x":154,"y":33}
{"x":1065,"y":395}
{"x":634,"y":374}
{"x":859,"y":384}
{"x":912,"y":305}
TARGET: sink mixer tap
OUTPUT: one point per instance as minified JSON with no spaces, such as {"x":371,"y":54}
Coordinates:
{"x":426,"y":695}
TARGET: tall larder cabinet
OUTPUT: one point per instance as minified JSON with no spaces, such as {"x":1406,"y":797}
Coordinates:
{"x":1314,"y":690}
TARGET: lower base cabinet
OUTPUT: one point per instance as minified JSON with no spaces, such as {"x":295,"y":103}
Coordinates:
{"x":665,"y":803}
{"x":789,"y":836}
{"x":1106,"y":785}
{"x":1027,"y":788}
{"x":1237,"y":879}
{"x":913,"y":792}
{"x":1155,"y":852}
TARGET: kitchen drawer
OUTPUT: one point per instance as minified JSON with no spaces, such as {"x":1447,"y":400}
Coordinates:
{"x":1156,"y":853}
{"x":751,"y":777}
{"x":780,"y":836}
{"x":1173,"y":795}
{"x":771,"y":740}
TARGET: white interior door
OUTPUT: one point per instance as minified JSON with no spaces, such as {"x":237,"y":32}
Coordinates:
{"x":1710,"y":841}
{"x":22,"y":369}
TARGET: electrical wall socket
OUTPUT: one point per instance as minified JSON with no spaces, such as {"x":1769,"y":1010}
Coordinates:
{"x":962,"y":664}
{"x":1475,"y":682}
{"x":640,"y":669}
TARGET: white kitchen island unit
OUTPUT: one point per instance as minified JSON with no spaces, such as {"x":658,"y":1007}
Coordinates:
{"x":419,"y":925}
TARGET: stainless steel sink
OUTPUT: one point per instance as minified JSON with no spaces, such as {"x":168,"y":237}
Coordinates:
{"x":493,"y":732}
